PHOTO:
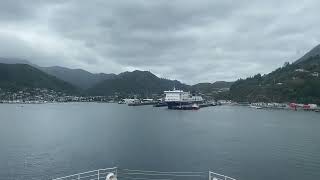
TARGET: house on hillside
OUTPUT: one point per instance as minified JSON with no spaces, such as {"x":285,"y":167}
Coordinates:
{"x":223,"y":90}
{"x":315,"y":74}
{"x":301,"y":70}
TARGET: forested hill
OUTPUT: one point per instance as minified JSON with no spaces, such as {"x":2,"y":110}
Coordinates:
{"x":14,"y":77}
{"x":297,"y":82}
{"x":136,"y":82}
{"x":80,"y":78}
{"x":211,"y":87}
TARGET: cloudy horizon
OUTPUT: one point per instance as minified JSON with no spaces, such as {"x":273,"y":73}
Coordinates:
{"x":191,"y":41}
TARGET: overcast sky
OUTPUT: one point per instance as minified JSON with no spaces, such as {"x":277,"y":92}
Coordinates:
{"x":189,"y":40}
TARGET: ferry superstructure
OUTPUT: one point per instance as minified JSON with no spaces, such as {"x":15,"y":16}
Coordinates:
{"x":179,"y":97}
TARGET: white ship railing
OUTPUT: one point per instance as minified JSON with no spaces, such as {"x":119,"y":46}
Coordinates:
{"x":129,"y":174}
{"x":216,"y":176}
{"x":99,"y":174}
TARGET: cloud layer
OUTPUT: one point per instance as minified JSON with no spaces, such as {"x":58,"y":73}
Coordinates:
{"x":193,"y":41}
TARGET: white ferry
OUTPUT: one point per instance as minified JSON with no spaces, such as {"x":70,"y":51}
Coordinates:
{"x":179,"y":97}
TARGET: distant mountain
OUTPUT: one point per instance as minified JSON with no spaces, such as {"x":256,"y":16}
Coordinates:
{"x":15,"y":77}
{"x":78,"y":77}
{"x":136,"y":82}
{"x":13,"y":61}
{"x":314,"y":52}
{"x":297,"y":82}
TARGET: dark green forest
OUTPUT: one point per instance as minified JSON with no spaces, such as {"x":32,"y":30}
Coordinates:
{"x":297,"y":82}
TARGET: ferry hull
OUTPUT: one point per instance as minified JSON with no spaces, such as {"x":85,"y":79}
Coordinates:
{"x":172,"y":105}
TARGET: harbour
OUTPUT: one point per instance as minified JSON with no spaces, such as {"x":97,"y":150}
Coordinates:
{"x":180,"y":100}
{"x":52,"y":140}
{"x":173,"y":99}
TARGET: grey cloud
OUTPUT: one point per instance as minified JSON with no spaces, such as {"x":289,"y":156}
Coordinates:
{"x":20,"y":10}
{"x":192,"y":41}
{"x":15,"y":10}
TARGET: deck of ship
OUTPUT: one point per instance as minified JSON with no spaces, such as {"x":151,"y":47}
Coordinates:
{"x":129,"y":174}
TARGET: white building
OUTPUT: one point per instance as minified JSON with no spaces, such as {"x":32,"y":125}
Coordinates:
{"x":301,"y":70}
{"x":315,"y":74}
{"x":130,"y":101}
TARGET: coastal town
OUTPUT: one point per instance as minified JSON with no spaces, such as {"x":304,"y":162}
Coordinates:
{"x":43,"y":95}
{"x":176,"y":99}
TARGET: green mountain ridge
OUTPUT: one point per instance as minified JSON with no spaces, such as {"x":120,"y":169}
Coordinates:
{"x":14,"y":77}
{"x":137,"y":82}
{"x":145,"y":83}
{"x":297,"y":82}
{"x":211,"y":87}
{"x":108,"y":84}
{"x":77,"y":77}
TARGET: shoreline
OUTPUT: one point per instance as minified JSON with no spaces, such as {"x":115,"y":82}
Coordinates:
{"x":288,"y":108}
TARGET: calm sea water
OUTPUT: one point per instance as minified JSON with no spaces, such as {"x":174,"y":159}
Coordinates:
{"x":53,"y":140}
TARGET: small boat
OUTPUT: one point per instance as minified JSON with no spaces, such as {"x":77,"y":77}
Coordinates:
{"x":195,"y":107}
{"x":255,"y":107}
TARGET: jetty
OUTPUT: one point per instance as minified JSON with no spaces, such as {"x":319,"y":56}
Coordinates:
{"x":141,"y":103}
